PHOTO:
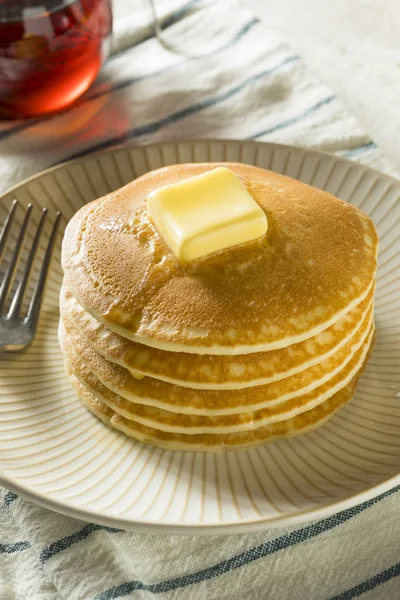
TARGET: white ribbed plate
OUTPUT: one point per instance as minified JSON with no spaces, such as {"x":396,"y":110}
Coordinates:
{"x":54,"y":452}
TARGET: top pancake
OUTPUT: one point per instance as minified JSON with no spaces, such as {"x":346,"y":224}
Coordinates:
{"x":316,"y":262}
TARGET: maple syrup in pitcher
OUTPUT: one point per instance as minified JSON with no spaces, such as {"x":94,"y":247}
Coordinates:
{"x":50,"y":52}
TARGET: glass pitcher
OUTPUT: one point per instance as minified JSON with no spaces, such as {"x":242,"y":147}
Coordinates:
{"x":50,"y":52}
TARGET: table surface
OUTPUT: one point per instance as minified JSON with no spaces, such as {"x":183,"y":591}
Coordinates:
{"x":353,"y":47}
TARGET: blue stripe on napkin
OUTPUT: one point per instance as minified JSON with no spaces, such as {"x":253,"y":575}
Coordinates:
{"x":9,"y":498}
{"x":285,"y":541}
{"x":70,"y":540}
{"x":370,"y":584}
{"x":15,"y":547}
{"x":294,"y":120}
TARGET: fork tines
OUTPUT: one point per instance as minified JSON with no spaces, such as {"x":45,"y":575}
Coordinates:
{"x":8,"y":276}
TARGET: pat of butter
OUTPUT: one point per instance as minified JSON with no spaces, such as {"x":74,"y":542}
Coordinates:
{"x":205,"y":214}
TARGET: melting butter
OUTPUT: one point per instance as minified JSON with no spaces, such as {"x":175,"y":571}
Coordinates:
{"x":205,"y":214}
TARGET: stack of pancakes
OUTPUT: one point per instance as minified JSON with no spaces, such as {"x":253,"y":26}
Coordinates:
{"x":258,"y":342}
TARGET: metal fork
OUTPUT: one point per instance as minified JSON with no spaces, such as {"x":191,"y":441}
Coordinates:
{"x":16,"y":331}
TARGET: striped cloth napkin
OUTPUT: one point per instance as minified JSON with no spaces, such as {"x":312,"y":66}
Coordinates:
{"x":229,"y":76}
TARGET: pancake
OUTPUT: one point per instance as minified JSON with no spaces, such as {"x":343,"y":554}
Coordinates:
{"x":195,"y":424}
{"x":303,"y":423}
{"x":96,"y":406}
{"x":207,"y":371}
{"x":170,"y":397}
{"x":316,"y":263}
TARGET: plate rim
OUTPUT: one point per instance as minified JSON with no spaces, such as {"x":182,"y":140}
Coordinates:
{"x":207,"y":140}
{"x":165,"y":527}
{"x":195,"y":528}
